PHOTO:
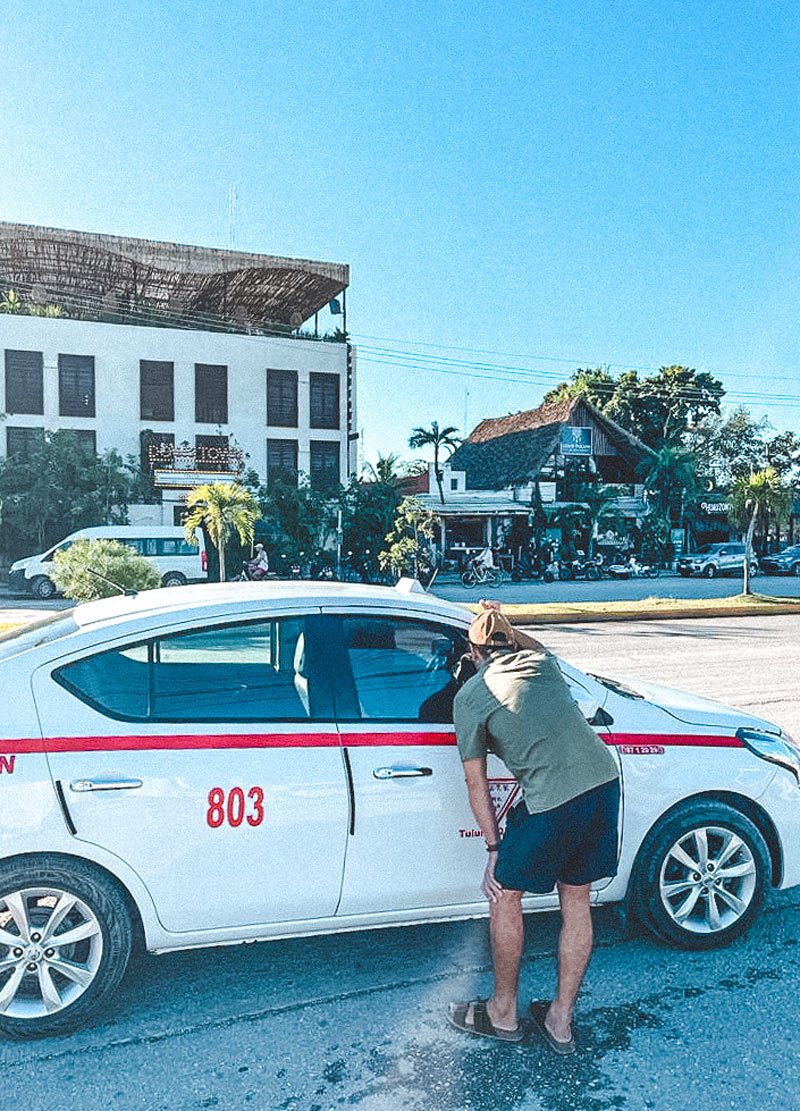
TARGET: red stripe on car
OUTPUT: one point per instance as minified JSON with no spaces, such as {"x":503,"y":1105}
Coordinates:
{"x":371,"y":738}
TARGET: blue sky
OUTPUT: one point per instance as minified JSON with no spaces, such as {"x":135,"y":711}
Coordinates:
{"x":563,"y":183}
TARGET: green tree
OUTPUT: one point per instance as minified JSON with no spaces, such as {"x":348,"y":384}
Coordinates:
{"x":221,"y":509}
{"x":671,"y":476}
{"x":296,"y":518}
{"x":115,"y":562}
{"x":597,"y":385}
{"x":725,"y":447}
{"x":599,"y":505}
{"x":11,"y":302}
{"x":412,"y":523}
{"x":368,"y":512}
{"x":783,"y":453}
{"x":758,"y":494}
{"x":439,"y":439}
{"x":59,"y":484}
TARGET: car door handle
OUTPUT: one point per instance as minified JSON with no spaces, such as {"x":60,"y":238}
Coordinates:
{"x":104,"y":784}
{"x":401,"y":773}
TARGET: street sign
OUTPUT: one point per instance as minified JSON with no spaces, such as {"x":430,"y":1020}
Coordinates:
{"x":185,"y":480}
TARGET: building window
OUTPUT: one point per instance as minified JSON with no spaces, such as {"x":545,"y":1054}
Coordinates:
{"x":179,"y":515}
{"x":210,"y":394}
{"x":156,"y":390}
{"x":281,"y":461}
{"x":76,"y":385}
{"x":21,"y":441}
{"x":24,"y":382}
{"x":324,"y":401}
{"x":324,"y":464}
{"x":282,"y":398}
{"x":85,"y":437}
{"x":157,"y":450}
{"x":211,"y":453}
{"x":453,"y":483}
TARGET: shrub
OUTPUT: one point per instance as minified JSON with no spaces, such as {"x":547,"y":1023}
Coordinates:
{"x":118,"y":562}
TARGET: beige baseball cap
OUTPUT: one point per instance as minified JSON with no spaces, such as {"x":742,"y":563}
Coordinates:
{"x":492,"y":629}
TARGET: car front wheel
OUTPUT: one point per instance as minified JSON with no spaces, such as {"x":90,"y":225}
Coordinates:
{"x":65,"y":940}
{"x":174,"y":578}
{"x":702,"y":876}
{"x":42,"y":587}
{"x":796,"y":569}
{"x":710,"y":571}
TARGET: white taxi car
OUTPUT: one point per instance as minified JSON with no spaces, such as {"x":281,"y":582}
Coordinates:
{"x":261,"y":760}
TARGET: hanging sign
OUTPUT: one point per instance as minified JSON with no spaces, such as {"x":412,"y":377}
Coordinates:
{"x":576,"y":441}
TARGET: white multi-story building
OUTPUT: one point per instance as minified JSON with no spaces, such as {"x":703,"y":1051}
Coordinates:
{"x":176,"y":354}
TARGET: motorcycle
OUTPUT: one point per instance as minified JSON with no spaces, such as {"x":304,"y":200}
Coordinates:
{"x":632,"y":569}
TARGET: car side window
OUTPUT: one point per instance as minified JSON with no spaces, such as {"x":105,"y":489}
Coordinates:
{"x":403,"y":669}
{"x":259,"y":671}
{"x":116,"y":683}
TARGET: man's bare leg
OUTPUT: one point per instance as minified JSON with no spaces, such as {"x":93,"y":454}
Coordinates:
{"x":574,"y":951}
{"x":507,"y":934}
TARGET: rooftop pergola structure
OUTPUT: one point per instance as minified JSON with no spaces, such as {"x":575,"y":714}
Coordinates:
{"x":139,"y":281}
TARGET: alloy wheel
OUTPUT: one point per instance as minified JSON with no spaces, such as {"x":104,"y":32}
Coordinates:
{"x":707,"y":879}
{"x":51,"y":947}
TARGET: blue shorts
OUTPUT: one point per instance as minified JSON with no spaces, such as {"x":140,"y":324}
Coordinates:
{"x":575,"y":843}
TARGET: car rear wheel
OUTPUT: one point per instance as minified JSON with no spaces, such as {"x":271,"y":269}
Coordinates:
{"x":173,"y":578}
{"x":710,"y":571}
{"x":592,"y":573}
{"x":796,"y":569}
{"x":65,"y":940}
{"x":42,"y":587}
{"x":702,"y":876}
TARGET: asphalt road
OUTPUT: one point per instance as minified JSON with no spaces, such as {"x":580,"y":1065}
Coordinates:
{"x":356,"y":1021}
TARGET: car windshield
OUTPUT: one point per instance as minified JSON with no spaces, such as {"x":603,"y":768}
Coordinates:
{"x":616,"y":686}
{"x":37,"y":633}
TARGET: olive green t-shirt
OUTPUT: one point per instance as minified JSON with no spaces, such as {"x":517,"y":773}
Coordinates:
{"x":519,"y":707}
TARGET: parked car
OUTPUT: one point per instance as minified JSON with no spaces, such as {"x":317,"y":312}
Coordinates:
{"x":786,"y":562}
{"x":242,"y":761}
{"x":178,"y":561}
{"x":715,"y":559}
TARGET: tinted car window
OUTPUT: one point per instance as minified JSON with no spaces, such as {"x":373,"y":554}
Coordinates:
{"x":402,"y":669}
{"x":115,"y":682}
{"x":254,"y":672}
{"x":258,"y":671}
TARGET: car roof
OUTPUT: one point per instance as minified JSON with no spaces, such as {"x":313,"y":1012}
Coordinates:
{"x":239,"y":596}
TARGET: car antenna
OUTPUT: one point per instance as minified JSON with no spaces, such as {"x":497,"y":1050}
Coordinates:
{"x":128,"y":592}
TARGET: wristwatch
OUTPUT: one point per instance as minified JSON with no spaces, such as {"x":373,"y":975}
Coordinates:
{"x":492,"y":848}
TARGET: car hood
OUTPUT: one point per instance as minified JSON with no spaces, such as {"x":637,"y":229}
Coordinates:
{"x":695,"y":710}
{"x":21,"y":564}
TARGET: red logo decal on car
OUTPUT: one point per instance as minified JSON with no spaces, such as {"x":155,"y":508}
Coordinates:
{"x":7,"y":764}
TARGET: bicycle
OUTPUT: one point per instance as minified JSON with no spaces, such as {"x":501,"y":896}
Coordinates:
{"x":482,"y":576}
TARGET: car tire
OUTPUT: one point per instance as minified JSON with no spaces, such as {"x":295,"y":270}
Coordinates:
{"x":43,"y":588}
{"x":683,"y":574}
{"x":796,"y":569}
{"x":37,"y":998}
{"x":592,"y":573}
{"x":174,"y":578}
{"x":708,"y":912}
{"x":754,"y":569}
{"x":710,"y":572}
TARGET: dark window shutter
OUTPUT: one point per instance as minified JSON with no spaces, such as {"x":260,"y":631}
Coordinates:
{"x":210,"y":394}
{"x":282,"y":398}
{"x":86,"y":437}
{"x":157,"y":390}
{"x":324,"y":464}
{"x":20,"y":441}
{"x":24,"y":382}
{"x":324,"y":401}
{"x":76,"y":385}
{"x":281,"y":461}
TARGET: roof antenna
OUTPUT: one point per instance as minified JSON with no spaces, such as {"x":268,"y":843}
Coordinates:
{"x":128,"y":592}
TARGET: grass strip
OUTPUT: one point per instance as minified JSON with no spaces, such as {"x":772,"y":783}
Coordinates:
{"x":649,"y":609}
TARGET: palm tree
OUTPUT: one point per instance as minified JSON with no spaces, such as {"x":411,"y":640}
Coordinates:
{"x":437,"y":439}
{"x":385,"y":470}
{"x":760,"y":492}
{"x":600,"y":508}
{"x":221,"y":508}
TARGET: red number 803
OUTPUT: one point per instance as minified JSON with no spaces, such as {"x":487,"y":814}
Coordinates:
{"x":234,"y":810}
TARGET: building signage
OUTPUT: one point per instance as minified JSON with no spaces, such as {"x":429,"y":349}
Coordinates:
{"x":715,"y":506}
{"x":576,"y":441}
{"x":185,"y":480}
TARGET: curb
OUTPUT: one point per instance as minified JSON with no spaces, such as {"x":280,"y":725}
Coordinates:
{"x":573,"y":617}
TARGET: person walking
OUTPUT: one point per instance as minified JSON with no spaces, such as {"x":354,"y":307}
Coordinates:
{"x":562,"y":833}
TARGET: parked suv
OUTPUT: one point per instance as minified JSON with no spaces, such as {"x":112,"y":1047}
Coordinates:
{"x":715,"y":559}
{"x":178,"y":561}
{"x":786,"y":562}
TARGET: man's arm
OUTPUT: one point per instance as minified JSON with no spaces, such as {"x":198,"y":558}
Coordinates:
{"x":480,"y":801}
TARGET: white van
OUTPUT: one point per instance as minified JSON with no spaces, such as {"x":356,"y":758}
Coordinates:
{"x":165,"y":545}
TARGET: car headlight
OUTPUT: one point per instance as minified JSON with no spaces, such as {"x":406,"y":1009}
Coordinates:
{"x":782,"y":750}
